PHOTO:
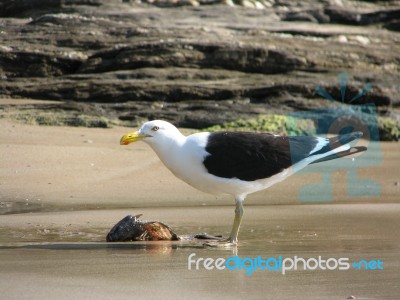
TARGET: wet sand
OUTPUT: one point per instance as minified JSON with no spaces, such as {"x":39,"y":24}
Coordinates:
{"x":62,"y":189}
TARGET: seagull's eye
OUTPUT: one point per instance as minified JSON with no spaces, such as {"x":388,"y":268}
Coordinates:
{"x":155,"y":128}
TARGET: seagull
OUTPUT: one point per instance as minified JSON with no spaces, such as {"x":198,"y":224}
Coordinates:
{"x":237,"y":163}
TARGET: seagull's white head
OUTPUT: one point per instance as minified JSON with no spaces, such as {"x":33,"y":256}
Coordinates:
{"x":153,"y":132}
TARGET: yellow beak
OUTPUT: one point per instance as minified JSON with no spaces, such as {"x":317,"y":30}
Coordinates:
{"x":132,"y":137}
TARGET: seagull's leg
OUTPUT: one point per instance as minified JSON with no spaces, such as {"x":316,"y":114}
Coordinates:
{"x":233,"y":238}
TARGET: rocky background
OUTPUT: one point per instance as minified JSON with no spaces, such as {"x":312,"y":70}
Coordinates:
{"x":196,"y":63}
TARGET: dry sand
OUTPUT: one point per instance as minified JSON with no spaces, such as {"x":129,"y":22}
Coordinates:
{"x":61,"y":190}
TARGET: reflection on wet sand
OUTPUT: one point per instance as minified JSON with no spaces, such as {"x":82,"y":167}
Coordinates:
{"x":90,"y":267}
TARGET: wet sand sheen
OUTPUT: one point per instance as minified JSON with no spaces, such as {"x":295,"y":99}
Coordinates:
{"x":85,"y":266}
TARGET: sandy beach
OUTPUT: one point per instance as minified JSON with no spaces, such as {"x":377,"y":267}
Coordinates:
{"x":330,"y":231}
{"x":63,"y":188}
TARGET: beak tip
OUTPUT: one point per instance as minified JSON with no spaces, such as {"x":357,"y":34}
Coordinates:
{"x":130,"y":138}
{"x":123,"y":142}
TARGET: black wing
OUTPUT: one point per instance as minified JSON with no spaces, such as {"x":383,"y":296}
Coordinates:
{"x":251,"y":156}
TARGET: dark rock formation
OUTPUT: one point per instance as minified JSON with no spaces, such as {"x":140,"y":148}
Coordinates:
{"x":199,"y":65}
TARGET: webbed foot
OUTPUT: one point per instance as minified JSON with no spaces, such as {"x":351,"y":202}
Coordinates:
{"x":222,"y":243}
